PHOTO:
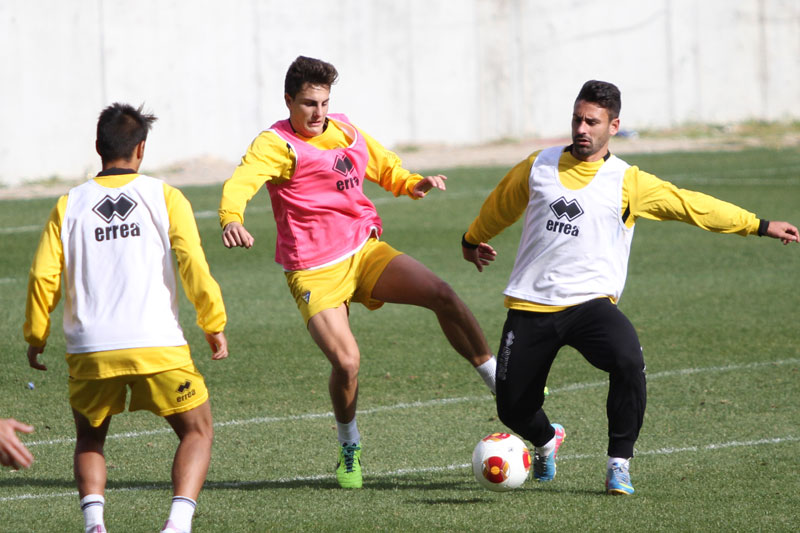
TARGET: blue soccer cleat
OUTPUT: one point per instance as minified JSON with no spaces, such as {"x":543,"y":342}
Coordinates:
{"x":618,"y":480}
{"x":544,"y":466}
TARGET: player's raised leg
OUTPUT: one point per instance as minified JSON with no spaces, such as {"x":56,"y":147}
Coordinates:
{"x":195,"y":430}
{"x":330,"y":329}
{"x":89,"y":464}
{"x":407,"y":281}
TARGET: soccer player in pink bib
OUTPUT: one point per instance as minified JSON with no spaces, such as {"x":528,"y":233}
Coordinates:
{"x":314,"y":166}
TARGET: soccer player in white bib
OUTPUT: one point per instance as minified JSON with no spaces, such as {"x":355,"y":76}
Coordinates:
{"x":314,"y":166}
{"x":580,"y":204}
{"x":111,"y":239}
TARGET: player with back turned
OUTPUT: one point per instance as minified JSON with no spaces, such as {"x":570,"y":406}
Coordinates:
{"x":111,"y":238}
{"x":580,"y":204}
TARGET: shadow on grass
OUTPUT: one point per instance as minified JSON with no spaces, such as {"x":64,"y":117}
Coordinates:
{"x":389,"y":485}
{"x":492,"y":497}
{"x":27,"y":482}
{"x":22,"y":483}
{"x":322,"y":482}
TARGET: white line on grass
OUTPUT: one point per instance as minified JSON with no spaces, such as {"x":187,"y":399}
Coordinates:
{"x":21,"y":229}
{"x":409,"y":471}
{"x":682,"y":372}
{"x":272,"y":419}
{"x":427,"y":403}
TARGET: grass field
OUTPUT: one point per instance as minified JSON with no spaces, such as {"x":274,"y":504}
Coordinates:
{"x":717,"y":316}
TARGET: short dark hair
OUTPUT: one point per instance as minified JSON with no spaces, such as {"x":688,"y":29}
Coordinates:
{"x":308,"y":70}
{"x":604,"y":94}
{"x":119,"y":129}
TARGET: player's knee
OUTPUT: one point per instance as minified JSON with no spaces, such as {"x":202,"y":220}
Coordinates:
{"x":511,"y":419}
{"x":196,"y":424}
{"x":85,"y":444}
{"x":202,"y":430}
{"x":442,"y":297}
{"x":207,"y":433}
{"x":346,"y":366}
{"x":517,"y":418}
{"x":630,"y":363}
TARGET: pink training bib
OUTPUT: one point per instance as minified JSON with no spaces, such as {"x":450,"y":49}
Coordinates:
{"x":322,"y":213}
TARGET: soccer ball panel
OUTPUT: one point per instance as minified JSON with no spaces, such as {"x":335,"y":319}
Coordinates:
{"x":501,"y":462}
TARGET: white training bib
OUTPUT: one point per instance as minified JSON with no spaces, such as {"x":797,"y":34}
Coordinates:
{"x":119,"y":279}
{"x":574,"y":245}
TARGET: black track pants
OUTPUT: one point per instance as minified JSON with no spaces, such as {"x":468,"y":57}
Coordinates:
{"x":604,"y":336}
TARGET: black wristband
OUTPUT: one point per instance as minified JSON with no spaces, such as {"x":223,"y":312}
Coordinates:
{"x":467,"y":244}
{"x":762,"y":227}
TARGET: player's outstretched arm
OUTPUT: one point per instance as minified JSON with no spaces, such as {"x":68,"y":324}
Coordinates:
{"x":427,"y":183}
{"x":783,"y":231}
{"x":33,"y":357}
{"x":234,"y":234}
{"x":12,"y":452}
{"x":219,"y":345}
{"x":481,"y":255}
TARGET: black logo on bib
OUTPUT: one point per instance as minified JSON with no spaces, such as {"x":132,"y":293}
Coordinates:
{"x":564,"y":209}
{"x":121,"y":207}
{"x":343,"y":165}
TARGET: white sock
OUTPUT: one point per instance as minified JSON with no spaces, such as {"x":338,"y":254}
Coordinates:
{"x":621,"y":460}
{"x":547,"y":449}
{"x":348,"y":432}
{"x":181,"y":513}
{"x":92,"y":507}
{"x":487,"y":371}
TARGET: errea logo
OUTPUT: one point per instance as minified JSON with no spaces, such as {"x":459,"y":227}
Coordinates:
{"x":109,"y":208}
{"x":562,"y":208}
{"x":570,"y":210}
{"x":185,"y":390}
{"x":343,"y":165}
{"x":120,"y":207}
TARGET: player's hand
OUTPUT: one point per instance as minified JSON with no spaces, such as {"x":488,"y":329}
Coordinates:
{"x":783,"y":231}
{"x":234,"y":235}
{"x":12,"y":452}
{"x":480,"y":256}
{"x":33,"y":357}
{"x":218,"y":344}
{"x":429,"y":182}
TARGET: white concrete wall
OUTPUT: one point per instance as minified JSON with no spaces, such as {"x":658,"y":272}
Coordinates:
{"x":411,"y":71}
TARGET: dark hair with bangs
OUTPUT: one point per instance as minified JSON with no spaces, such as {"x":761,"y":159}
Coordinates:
{"x":308,"y":70}
{"x":119,"y":129}
{"x":604,"y":94}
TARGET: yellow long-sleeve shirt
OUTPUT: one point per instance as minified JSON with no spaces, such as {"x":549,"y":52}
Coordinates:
{"x":643,"y":195}
{"x":270,"y":159}
{"x":44,"y":291}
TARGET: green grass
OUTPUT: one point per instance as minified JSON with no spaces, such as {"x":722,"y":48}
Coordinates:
{"x":717,"y":316}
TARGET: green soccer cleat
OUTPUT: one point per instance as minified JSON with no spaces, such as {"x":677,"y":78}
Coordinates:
{"x":348,"y":471}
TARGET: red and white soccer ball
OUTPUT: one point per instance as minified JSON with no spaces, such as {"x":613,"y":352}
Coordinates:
{"x":501,"y":462}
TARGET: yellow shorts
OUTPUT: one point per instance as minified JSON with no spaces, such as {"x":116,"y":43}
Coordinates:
{"x":165,"y":393}
{"x":350,"y":280}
